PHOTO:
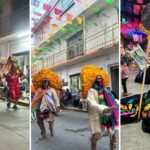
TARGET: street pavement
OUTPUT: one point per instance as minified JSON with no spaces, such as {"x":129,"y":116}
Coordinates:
{"x":71,"y":133}
{"x":132,"y":136}
{"x":14,"y":128}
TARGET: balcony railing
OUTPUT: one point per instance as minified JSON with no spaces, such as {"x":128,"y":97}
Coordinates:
{"x":75,"y":50}
{"x":102,"y":39}
{"x":15,"y":22}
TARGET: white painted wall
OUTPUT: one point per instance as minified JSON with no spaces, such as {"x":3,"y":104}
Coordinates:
{"x":103,"y":61}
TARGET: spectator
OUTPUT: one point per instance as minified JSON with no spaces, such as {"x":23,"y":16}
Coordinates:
{"x":124,"y":77}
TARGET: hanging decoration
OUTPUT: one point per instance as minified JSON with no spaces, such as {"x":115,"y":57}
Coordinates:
{"x":57,"y":11}
{"x":96,"y":10}
{"x":50,"y":34}
{"x":47,"y":7}
{"x":49,"y":17}
{"x":59,"y":19}
{"x":79,"y":1}
{"x":37,"y":13}
{"x":55,"y":26}
{"x":109,"y":2}
{"x":71,"y":29}
{"x":63,"y":30}
{"x":35,"y":3}
{"x":69,"y":16}
{"x":85,"y":4}
{"x":79,"y":20}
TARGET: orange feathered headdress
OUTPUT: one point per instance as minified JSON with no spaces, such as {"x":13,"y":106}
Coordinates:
{"x":53,"y":78}
{"x":88,"y":76}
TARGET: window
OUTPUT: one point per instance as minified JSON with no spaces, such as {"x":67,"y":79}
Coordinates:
{"x":75,"y":45}
{"x":75,"y":83}
{"x":66,"y":4}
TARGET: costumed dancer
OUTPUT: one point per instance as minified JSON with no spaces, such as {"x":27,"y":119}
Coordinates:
{"x":12,"y":78}
{"x":46,"y":102}
{"x":103,"y":109}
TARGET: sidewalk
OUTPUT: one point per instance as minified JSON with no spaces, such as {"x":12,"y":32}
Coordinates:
{"x":20,"y":102}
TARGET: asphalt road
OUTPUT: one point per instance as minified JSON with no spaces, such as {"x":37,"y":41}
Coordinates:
{"x":71,"y":133}
{"x":14,"y":128}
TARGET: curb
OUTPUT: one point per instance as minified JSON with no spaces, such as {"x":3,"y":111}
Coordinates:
{"x":75,"y":109}
{"x":19,"y":103}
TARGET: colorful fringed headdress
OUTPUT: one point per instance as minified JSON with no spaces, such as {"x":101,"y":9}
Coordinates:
{"x":53,"y":78}
{"x":88,"y":76}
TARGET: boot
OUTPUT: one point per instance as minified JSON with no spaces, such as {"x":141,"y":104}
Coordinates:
{"x":42,"y":127}
{"x":113,"y":142}
{"x":94,"y":140}
{"x":51,"y":127}
{"x":8,"y":105}
{"x":15,"y":107}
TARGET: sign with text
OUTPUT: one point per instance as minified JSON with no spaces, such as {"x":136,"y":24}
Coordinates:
{"x":139,"y":56}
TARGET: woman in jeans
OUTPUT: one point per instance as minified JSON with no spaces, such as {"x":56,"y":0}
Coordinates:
{"x":124,"y":77}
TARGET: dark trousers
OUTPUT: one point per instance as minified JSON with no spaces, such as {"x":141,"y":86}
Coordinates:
{"x":124,"y":85}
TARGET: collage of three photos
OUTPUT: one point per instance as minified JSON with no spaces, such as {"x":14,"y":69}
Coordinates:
{"x":75,"y":74}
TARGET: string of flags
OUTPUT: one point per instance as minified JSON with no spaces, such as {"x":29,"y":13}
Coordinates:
{"x":54,"y":26}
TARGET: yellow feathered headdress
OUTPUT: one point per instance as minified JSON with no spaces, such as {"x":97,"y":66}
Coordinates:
{"x":53,"y":78}
{"x":88,"y":76}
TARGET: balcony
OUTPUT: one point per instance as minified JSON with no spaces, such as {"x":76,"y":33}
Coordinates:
{"x":16,"y":22}
{"x":101,"y":40}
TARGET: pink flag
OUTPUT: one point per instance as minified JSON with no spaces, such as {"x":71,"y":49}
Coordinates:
{"x":48,"y":17}
{"x":140,"y":1}
{"x":57,"y":11}
{"x":33,"y":28}
{"x":37,"y":13}
{"x":46,"y":7}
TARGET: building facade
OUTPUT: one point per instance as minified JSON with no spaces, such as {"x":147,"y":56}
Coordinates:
{"x":95,"y":41}
{"x":14,"y":31}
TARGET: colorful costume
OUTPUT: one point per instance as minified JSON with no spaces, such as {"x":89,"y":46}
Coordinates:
{"x":12,"y":79}
{"x":13,"y":84}
{"x":99,"y":101}
{"x":46,"y":101}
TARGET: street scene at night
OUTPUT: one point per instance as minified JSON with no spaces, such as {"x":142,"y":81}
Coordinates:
{"x":14,"y":74}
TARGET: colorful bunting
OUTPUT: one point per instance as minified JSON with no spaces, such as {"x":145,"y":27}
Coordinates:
{"x":59,"y":18}
{"x":71,"y":29}
{"x":57,"y":11}
{"x":33,"y":28}
{"x":47,"y":7}
{"x":50,"y":34}
{"x":63,"y":30}
{"x":69,"y":16}
{"x":109,"y":2}
{"x":96,"y":10}
{"x":54,"y":26}
{"x":79,"y":20}
{"x":46,"y":25}
{"x":79,"y":1}
{"x":47,"y":41}
{"x":35,"y":3}
{"x":37,"y":13}
{"x":69,"y":22}
{"x":85,"y":4}
{"x":49,"y":17}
